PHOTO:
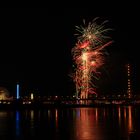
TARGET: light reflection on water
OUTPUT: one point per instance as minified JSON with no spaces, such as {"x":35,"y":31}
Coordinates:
{"x":104,"y":123}
{"x":17,"y":124}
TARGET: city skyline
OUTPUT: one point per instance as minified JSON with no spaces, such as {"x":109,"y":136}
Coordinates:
{"x":36,"y":49}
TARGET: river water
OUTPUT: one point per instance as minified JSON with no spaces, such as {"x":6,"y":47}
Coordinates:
{"x":89,"y":123}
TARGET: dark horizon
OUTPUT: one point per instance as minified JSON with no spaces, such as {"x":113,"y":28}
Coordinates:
{"x":36,"y":49}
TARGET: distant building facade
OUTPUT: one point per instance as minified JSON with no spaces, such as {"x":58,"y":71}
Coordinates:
{"x":4,"y":94}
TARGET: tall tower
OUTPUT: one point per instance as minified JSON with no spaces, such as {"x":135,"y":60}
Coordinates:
{"x":129,"y":88}
{"x":17,"y":91}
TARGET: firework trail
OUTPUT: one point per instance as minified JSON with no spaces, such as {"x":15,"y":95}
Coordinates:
{"x":88,"y":55}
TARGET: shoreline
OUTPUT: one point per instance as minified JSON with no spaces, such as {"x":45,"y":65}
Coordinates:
{"x":51,"y":106}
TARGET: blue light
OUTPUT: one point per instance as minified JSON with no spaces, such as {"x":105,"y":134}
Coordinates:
{"x":17,"y":123}
{"x":17,"y":91}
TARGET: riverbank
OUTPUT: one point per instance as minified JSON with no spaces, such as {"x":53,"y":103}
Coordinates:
{"x":48,"y":106}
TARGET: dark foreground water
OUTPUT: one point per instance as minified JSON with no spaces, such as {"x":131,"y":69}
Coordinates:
{"x":103,"y":123}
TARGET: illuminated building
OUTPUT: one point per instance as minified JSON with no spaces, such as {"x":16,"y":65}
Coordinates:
{"x":32,"y":96}
{"x":17,"y":92}
{"x":129,"y":90}
{"x":4,"y":94}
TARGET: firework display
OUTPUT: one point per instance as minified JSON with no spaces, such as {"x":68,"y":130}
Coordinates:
{"x":88,"y":55}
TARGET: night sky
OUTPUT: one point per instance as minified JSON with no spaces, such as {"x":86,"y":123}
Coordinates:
{"x":35,"y":48}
